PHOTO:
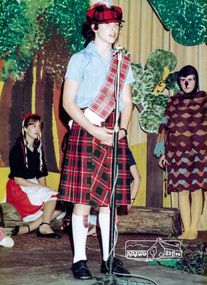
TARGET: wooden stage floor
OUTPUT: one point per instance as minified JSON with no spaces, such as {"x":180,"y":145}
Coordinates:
{"x":41,"y":261}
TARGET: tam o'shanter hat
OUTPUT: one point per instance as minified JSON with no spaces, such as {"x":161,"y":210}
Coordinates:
{"x":103,"y":12}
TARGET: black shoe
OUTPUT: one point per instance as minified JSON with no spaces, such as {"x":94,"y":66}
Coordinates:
{"x":117,"y":267}
{"x":15,"y":231}
{"x":51,"y":235}
{"x":80,"y":270}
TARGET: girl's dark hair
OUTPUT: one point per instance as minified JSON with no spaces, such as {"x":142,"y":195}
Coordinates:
{"x":30,"y":120}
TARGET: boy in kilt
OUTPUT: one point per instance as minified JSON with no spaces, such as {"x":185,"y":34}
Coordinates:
{"x":89,"y":99}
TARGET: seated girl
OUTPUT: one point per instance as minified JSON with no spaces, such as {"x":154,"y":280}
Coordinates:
{"x":26,"y":188}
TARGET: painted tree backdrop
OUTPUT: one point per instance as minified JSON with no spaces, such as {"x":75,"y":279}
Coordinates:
{"x":37,"y":38}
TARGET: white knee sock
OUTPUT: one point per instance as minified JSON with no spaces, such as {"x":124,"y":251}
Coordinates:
{"x":104,"y":223}
{"x":80,"y":230}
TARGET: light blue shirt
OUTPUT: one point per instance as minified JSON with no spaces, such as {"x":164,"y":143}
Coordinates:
{"x":89,"y":69}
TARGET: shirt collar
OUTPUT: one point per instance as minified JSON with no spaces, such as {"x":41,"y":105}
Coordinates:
{"x":93,"y":50}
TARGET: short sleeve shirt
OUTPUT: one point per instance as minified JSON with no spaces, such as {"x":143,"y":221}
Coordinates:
{"x":89,"y":69}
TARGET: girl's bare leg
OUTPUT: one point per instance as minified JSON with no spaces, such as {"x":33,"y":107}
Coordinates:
{"x":49,"y":214}
{"x":49,"y":209}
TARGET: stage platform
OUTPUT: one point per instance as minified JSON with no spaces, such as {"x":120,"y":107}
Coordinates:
{"x":41,"y":261}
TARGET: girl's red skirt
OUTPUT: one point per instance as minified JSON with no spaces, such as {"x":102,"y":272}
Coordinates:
{"x":87,"y":172}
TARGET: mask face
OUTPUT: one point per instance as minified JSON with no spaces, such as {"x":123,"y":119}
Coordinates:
{"x":188,"y":80}
{"x":188,"y":83}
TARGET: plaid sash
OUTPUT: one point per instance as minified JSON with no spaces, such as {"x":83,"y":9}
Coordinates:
{"x":104,"y":103}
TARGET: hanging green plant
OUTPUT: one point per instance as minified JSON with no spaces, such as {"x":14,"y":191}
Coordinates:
{"x":157,"y":60}
{"x":150,"y":82}
{"x":143,"y":83}
{"x":152,"y":114}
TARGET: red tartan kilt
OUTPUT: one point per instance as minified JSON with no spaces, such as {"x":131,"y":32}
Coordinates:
{"x":87,"y":173}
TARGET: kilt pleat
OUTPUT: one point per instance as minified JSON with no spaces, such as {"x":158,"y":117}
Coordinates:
{"x":87,"y":172}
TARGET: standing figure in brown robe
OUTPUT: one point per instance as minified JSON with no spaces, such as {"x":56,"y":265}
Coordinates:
{"x":182,"y":148}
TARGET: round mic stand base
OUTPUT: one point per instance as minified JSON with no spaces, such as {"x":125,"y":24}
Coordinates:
{"x":111,"y":279}
{"x":108,"y":279}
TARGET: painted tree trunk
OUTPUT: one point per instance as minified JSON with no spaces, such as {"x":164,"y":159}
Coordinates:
{"x":21,"y":104}
{"x":154,"y":187}
{"x":49,"y":148}
{"x":5,"y":104}
{"x":43,"y":107}
{"x":61,"y":119}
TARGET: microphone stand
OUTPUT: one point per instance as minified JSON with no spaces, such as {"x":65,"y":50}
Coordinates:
{"x":114,"y":167}
{"x":111,"y":278}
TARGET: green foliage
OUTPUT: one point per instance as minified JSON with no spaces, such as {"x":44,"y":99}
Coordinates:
{"x":146,"y":77}
{"x":17,"y":39}
{"x":27,"y":27}
{"x":171,"y":82}
{"x":194,"y":259}
{"x":143,"y":82}
{"x":67,"y":17}
{"x":157,"y":60}
{"x":186,"y":18}
{"x":124,"y":51}
{"x":154,"y":108}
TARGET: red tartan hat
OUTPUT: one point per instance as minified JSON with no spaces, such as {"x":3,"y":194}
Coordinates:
{"x":100,"y":13}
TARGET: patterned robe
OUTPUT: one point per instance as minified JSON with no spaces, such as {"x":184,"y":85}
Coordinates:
{"x":182,"y":137}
